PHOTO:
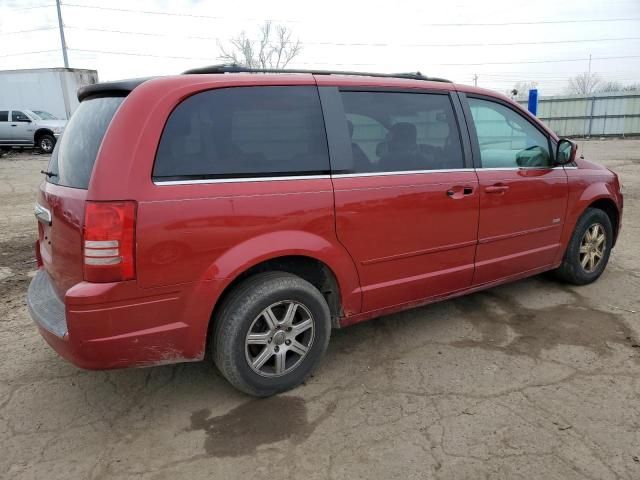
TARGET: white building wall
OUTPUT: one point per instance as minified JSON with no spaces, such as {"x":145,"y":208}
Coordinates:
{"x":53,"y":90}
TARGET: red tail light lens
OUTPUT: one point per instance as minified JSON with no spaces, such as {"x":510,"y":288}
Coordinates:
{"x":109,"y":241}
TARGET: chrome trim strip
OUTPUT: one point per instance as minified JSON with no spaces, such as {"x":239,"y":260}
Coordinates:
{"x":102,"y":260}
{"x":42,"y":214}
{"x":101,"y":252}
{"x":241,"y":180}
{"x":521,"y":168}
{"x":400,"y":172}
{"x":101,"y":243}
{"x":343,"y":175}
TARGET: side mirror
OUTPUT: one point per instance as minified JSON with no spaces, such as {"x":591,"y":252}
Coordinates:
{"x":566,"y":152}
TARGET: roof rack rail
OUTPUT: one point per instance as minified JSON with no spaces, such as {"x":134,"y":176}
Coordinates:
{"x":234,"y":68}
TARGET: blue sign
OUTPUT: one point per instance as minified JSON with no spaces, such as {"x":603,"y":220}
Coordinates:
{"x":533,"y":101}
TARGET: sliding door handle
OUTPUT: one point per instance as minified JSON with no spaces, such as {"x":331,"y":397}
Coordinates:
{"x":459,"y":191}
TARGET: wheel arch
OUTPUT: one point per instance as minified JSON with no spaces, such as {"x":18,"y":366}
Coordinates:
{"x":41,"y":131}
{"x":608,"y":206}
{"x":314,"y":271}
{"x":297,"y":247}
{"x":309,"y":268}
{"x":597,"y":195}
{"x":324,"y":264}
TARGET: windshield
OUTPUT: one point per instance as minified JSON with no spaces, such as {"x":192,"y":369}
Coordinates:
{"x":42,"y":115}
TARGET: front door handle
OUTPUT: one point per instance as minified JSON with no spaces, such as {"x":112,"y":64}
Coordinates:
{"x":497,"y":188}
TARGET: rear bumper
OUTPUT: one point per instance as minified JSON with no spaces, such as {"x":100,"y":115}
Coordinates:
{"x":47,"y":311}
{"x":114,"y":325}
{"x":45,"y":307}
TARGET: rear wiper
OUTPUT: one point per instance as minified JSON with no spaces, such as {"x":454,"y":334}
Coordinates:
{"x":48,"y":174}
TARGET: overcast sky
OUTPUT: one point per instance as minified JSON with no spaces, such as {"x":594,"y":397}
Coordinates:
{"x":503,"y":42}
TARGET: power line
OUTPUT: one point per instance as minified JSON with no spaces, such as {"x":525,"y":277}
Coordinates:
{"x":481,"y":44}
{"x":535,"y":61}
{"x":536,"y":22}
{"x":17,"y":9}
{"x":211,"y":58}
{"x":27,"y":31}
{"x":28,"y":53}
{"x":148,"y":12}
{"x":111,"y":52}
{"x":145,"y":34}
{"x":134,"y":54}
{"x":344,"y":44}
{"x":193,"y":15}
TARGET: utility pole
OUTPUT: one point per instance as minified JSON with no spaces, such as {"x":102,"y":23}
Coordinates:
{"x":475,"y":79}
{"x":62,"y":40}
{"x":589,"y":65}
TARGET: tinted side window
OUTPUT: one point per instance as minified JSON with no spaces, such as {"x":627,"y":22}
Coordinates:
{"x":402,"y":131}
{"x":4,"y":116}
{"x":17,"y":116}
{"x":244,"y":132}
{"x":507,"y":140}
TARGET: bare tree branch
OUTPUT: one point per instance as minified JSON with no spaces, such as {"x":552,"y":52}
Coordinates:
{"x":521,"y":89}
{"x":584,"y":84}
{"x":274,"y":48}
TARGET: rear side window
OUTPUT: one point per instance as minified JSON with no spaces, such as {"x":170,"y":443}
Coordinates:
{"x":393,"y":132}
{"x":4,"y":116}
{"x":244,"y":132}
{"x":75,"y":153}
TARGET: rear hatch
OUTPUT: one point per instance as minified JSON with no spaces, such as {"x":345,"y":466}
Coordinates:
{"x":60,"y":206}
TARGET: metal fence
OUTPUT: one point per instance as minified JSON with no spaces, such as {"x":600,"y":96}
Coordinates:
{"x":603,"y":114}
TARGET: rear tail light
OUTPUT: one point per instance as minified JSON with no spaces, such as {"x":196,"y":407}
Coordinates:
{"x":109,"y":241}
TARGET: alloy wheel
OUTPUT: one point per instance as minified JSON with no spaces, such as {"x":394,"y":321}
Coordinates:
{"x":279,"y":338}
{"x":592,"y":247}
{"x":46,"y":145}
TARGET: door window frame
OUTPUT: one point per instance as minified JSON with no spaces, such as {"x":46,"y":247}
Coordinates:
{"x":473,"y":134}
{"x":335,"y":119}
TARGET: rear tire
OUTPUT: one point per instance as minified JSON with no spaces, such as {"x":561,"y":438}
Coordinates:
{"x":588,"y":252}
{"x":46,"y":143}
{"x":270,"y":333}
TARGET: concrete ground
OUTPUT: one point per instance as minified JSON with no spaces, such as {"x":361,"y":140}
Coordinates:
{"x":529,"y":380}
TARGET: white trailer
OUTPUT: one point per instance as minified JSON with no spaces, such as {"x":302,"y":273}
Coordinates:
{"x":50,"y":89}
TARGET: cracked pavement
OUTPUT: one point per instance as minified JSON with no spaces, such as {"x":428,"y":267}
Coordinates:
{"x":529,"y":380}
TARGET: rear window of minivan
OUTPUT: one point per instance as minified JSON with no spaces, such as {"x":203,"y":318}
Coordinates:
{"x":244,"y":132}
{"x":75,"y":153}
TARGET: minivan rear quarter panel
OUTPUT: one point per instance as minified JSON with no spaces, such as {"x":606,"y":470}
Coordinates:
{"x":212,"y":232}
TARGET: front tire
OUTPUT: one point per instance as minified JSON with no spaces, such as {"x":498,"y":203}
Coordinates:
{"x":588,"y":251}
{"x":270,"y":333}
{"x":46,"y":143}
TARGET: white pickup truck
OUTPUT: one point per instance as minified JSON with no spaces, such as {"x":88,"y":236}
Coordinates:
{"x":29,"y":128}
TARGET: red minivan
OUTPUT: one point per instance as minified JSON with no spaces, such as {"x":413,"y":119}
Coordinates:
{"x":250,"y":212}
